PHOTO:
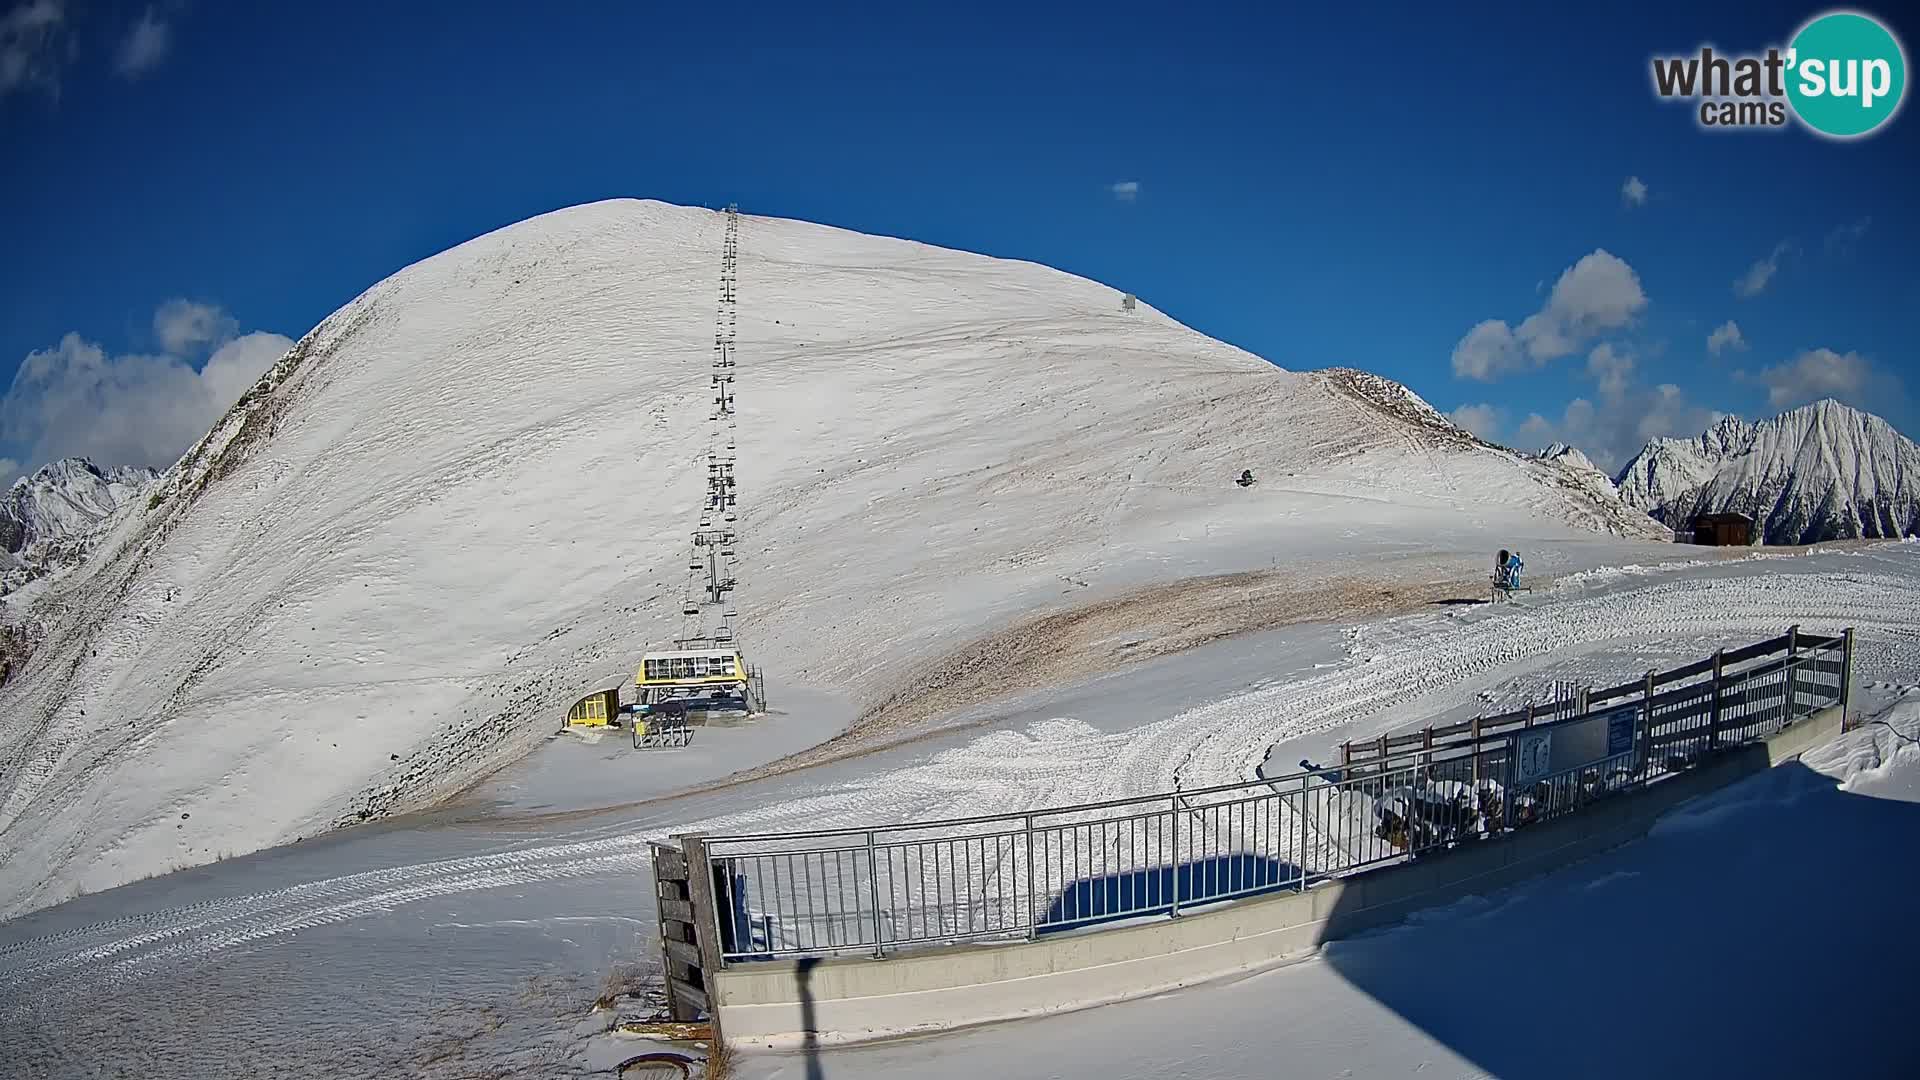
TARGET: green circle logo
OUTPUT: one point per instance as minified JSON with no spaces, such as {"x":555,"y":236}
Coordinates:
{"x":1846,"y":74}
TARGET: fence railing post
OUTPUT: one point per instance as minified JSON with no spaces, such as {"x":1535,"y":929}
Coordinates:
{"x":1033,"y":886}
{"x":1506,"y":788}
{"x":1846,"y":675}
{"x":873,"y":893}
{"x":1713,"y":716}
{"x":1793,"y":674}
{"x":1173,"y":810}
{"x":1306,"y":796}
{"x":1477,"y":751}
{"x":1646,"y":725}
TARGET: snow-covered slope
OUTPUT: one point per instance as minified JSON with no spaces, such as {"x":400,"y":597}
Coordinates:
{"x":61,"y":501}
{"x":462,"y":500}
{"x":1820,"y":472}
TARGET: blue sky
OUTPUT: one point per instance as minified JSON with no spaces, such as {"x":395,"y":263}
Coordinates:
{"x":186,"y":184}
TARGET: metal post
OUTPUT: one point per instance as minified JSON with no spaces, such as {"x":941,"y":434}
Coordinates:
{"x":1346,"y":753}
{"x":1306,"y":783}
{"x":1506,"y":789}
{"x":873,"y":891}
{"x":1173,"y":804}
{"x":1713,"y":718}
{"x":1846,"y":675}
{"x":1477,"y":748}
{"x":1793,"y":674}
{"x":1033,"y":920}
{"x":1646,"y":722}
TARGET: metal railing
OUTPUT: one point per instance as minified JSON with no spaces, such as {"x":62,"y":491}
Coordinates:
{"x":1046,"y":871}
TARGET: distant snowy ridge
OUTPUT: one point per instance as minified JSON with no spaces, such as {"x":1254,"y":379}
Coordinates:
{"x":1820,"y":472}
{"x":65,"y":497}
{"x":46,"y":518}
{"x":1571,"y":457}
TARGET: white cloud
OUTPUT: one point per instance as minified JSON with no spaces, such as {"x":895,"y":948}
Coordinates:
{"x":1611,"y":431}
{"x":33,"y":46}
{"x":143,"y":48}
{"x":131,"y":409}
{"x":1597,"y":294}
{"x":1488,"y":350}
{"x":1125,"y":190}
{"x":1620,"y":417}
{"x":9,"y":471}
{"x":1726,"y":336}
{"x":1633,"y":192}
{"x":1842,"y":240}
{"x":1610,"y":370}
{"x":183,"y":325}
{"x":1760,"y":274}
{"x":1823,"y":373}
{"x":1483,"y":420}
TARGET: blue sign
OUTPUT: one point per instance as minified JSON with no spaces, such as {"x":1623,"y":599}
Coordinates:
{"x":1620,"y":731}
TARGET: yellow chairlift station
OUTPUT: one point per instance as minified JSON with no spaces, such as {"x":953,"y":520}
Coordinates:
{"x":690,"y":669}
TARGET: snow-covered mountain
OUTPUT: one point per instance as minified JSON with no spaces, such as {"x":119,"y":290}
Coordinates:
{"x":45,"y":518}
{"x":1820,"y":472}
{"x":462,"y":501}
{"x":65,"y":497}
{"x":1569,"y":456}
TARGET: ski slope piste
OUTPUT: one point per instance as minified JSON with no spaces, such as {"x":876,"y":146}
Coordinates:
{"x":461,"y":501}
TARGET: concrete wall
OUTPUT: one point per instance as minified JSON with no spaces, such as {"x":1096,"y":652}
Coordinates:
{"x":851,"y":999}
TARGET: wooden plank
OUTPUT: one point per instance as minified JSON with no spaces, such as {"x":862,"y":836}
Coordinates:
{"x":668,"y":1031}
{"x":684,"y":951}
{"x":688,"y":993}
{"x":1690,"y":735}
{"x":706,"y":907}
{"x":1757,"y":649}
{"x":1702,"y":692}
{"x":1697,"y":668}
{"x":1625,"y":690}
{"x":678,"y":910}
{"x":670,"y":865}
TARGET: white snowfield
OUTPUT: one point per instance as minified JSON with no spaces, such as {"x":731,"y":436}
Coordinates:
{"x":462,"y":501}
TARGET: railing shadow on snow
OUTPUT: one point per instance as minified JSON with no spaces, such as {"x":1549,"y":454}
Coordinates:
{"x":1765,"y":929}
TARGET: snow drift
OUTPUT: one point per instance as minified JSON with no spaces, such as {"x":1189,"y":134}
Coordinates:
{"x":462,"y":500}
{"x":1820,"y":472}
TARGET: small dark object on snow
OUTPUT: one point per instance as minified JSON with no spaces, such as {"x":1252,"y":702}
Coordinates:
{"x":1246,"y":478}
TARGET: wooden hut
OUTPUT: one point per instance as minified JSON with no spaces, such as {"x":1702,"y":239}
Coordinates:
{"x":1723,"y":530}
